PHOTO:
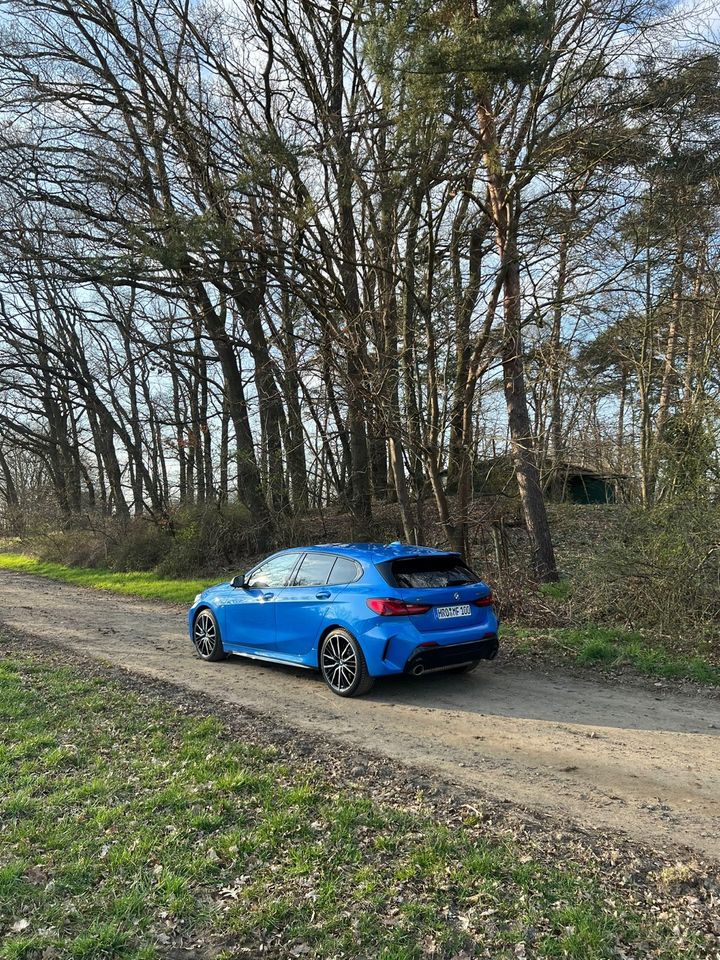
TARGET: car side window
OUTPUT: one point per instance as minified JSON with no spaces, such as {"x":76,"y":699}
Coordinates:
{"x":273,"y":573}
{"x":344,"y":571}
{"x":314,"y":570}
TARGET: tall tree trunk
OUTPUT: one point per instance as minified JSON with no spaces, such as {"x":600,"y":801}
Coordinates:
{"x":645,"y":373}
{"x":692,"y":345}
{"x":136,"y":450}
{"x":12,"y":501}
{"x":248,"y":473}
{"x":360,"y":503}
{"x":270,"y":407}
{"x":556,"y":371}
{"x":223,"y":488}
{"x":620,"y":437}
{"x":180,"y":429}
{"x":388,"y":409}
{"x":526,"y":468}
{"x":412,"y":419}
{"x":667,"y":382}
{"x":294,"y":436}
{"x":505,"y":215}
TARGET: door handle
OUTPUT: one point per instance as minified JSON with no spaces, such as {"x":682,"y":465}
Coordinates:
{"x":268,"y":596}
{"x":323,"y":595}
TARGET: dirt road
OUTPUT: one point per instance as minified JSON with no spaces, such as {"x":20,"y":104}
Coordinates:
{"x":640,"y":760}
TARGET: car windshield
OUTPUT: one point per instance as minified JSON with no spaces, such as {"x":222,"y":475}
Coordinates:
{"x":417,"y":572}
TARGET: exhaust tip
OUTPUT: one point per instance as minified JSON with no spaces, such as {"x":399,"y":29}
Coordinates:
{"x":418,"y":669}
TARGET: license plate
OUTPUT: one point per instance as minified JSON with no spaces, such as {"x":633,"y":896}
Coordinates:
{"x":446,"y":613}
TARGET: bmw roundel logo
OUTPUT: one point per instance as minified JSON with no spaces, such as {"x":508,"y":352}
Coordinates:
{"x":456,"y":596}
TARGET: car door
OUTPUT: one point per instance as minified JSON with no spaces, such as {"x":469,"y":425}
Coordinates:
{"x":250,"y":612}
{"x":302,"y":606}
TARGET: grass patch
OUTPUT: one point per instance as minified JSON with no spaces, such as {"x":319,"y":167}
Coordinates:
{"x":607,"y":647}
{"x":129,"y":830}
{"x":147,"y":585}
{"x":560,"y":590}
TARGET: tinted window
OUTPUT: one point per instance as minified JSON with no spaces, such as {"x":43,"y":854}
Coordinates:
{"x":344,"y":571}
{"x":314,"y":570}
{"x":418,"y":572}
{"x":273,"y":573}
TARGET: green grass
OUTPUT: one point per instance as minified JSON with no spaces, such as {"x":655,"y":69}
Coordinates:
{"x":129,"y":829}
{"x":146,"y":585}
{"x":559,"y":590}
{"x":606,"y":647}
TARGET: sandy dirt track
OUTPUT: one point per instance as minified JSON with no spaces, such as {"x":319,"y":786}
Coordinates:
{"x":641,"y":760}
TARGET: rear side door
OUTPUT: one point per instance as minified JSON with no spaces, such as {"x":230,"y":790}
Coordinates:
{"x":250,"y":613}
{"x":303,"y":605}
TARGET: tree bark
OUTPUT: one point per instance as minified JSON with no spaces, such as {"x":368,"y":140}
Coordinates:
{"x":526,"y":468}
{"x":504,"y":208}
{"x":360,"y":502}
{"x":248,"y":473}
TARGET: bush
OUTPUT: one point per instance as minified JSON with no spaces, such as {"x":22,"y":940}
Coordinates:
{"x":211,"y":538}
{"x":141,"y":546}
{"x":190,"y":541}
{"x":76,"y":548}
{"x":659,"y":569}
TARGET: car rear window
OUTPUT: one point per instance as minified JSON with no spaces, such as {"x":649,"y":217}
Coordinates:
{"x":344,"y":571}
{"x":428,"y":572}
{"x":314,"y":570}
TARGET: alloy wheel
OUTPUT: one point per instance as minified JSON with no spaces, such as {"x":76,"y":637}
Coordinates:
{"x":339,"y":662}
{"x":205,"y":634}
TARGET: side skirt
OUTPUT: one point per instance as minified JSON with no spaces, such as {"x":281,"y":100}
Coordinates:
{"x":266,"y":659}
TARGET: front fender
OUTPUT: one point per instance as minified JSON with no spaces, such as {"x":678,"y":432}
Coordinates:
{"x":217,"y":610}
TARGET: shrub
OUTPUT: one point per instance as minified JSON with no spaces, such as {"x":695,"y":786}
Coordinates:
{"x":212,"y":538}
{"x":76,"y":548}
{"x":190,"y":540}
{"x":659,"y":569}
{"x":141,"y":546}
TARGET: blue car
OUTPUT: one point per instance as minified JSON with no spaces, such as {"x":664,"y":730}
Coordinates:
{"x":355,"y":611}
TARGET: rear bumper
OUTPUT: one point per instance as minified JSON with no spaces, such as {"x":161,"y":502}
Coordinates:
{"x":425,"y":659}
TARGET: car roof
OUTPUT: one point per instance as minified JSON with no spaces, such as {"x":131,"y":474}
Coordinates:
{"x":375,"y":552}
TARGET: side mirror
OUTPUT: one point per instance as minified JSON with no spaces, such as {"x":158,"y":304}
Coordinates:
{"x":238,"y":582}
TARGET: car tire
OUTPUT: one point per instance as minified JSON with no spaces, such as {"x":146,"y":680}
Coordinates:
{"x":206,"y":637}
{"x":342,"y":664}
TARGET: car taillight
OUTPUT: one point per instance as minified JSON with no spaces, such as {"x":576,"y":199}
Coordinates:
{"x":396,"y":608}
{"x":484,"y":601}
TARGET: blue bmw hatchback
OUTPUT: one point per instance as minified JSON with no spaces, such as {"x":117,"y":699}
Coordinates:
{"x":355,"y":611}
